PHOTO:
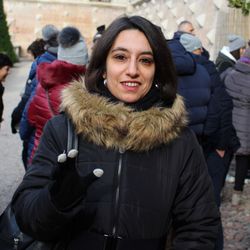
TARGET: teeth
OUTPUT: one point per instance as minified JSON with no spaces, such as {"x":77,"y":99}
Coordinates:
{"x":131,"y":84}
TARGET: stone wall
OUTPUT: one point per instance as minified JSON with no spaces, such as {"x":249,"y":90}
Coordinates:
{"x":212,"y":19}
{"x":26,"y":18}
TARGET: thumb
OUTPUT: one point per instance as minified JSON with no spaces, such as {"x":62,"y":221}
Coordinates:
{"x":93,"y":176}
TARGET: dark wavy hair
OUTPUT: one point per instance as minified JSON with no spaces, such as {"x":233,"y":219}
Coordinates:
{"x":5,"y":60}
{"x":165,"y":74}
{"x":36,"y":48}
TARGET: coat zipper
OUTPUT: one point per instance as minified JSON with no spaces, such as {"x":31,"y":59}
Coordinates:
{"x":117,"y":194}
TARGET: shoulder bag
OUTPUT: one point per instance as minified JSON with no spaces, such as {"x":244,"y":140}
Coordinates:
{"x":11,"y":237}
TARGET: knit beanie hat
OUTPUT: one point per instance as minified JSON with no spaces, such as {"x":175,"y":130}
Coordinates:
{"x":190,"y":42}
{"x":49,"y":35}
{"x":235,"y":42}
{"x":72,"y":47}
{"x":49,"y":32}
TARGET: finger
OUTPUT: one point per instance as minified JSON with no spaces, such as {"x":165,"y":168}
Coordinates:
{"x":62,"y":158}
{"x":73,"y":153}
{"x":98,"y":172}
{"x":93,"y":176}
{"x":72,"y":156}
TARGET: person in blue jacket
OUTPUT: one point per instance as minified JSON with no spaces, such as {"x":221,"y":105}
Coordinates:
{"x":19,"y":117}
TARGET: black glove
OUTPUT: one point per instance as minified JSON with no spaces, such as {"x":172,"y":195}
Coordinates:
{"x":15,"y":119}
{"x":13,"y":127}
{"x":16,"y":115}
{"x":69,"y":187}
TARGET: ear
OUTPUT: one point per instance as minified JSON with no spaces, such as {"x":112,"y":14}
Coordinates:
{"x":104,"y":75}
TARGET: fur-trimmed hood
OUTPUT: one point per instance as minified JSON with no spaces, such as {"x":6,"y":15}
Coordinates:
{"x":118,"y":126}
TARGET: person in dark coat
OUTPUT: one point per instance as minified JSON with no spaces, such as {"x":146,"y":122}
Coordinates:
{"x":229,"y":54}
{"x":5,"y":65}
{"x":36,"y":48}
{"x":138,"y":170}
{"x":186,"y":27}
{"x":194,"y":84}
{"x":27,"y":132}
{"x":237,"y":82}
{"x":220,"y":140}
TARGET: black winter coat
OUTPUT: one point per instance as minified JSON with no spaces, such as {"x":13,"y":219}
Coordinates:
{"x":219,"y":128}
{"x":154,"y":178}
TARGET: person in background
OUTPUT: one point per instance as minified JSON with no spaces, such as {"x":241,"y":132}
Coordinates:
{"x":52,"y":77}
{"x":138,"y":170}
{"x":5,"y":65}
{"x":194,"y":84}
{"x":49,"y":36}
{"x":229,"y":54}
{"x":220,"y":140}
{"x":237,"y":82}
{"x":98,"y":34}
{"x":36,"y":48}
{"x":186,"y":27}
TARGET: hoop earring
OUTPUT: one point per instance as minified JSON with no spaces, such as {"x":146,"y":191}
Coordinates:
{"x":105,"y":82}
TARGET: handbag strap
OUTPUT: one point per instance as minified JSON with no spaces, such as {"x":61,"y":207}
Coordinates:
{"x":72,"y":141}
{"x":50,"y":106}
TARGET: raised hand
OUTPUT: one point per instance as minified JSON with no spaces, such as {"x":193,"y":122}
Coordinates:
{"x":69,"y":186}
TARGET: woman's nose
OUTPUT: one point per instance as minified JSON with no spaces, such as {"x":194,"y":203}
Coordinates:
{"x":132,"y":69}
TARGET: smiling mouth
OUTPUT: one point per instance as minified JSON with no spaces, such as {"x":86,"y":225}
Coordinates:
{"x":131,"y":84}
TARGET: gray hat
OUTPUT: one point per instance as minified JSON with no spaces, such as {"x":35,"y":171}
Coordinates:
{"x":49,"y":32}
{"x":235,"y":42}
{"x":72,"y":47}
{"x":190,"y":42}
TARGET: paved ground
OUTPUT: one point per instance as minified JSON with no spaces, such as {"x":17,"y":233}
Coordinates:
{"x":236,"y":220}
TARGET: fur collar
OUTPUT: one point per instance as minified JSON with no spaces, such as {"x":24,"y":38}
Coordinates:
{"x":119,"y":127}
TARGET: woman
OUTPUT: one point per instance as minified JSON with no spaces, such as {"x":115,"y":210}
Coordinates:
{"x":237,"y":85}
{"x":132,"y":126}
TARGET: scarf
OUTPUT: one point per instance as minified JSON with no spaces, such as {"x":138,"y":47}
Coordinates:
{"x":152,"y":98}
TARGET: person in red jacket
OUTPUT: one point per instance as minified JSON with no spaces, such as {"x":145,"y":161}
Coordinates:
{"x":55,"y":76}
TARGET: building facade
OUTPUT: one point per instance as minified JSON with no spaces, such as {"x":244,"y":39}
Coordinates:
{"x":212,"y":19}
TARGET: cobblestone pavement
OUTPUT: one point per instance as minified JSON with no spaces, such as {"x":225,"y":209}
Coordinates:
{"x":236,"y":220}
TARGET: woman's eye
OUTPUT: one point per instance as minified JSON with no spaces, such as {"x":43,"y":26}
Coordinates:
{"x":120,"y":57}
{"x":147,"y":61}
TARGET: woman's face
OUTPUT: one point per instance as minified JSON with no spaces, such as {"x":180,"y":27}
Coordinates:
{"x":130,"y":66}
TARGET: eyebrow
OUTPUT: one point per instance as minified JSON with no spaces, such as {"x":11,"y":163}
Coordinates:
{"x":123,"y":49}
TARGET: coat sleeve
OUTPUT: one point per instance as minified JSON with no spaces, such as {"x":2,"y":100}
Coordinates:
{"x":35,"y":213}
{"x":196,"y":218}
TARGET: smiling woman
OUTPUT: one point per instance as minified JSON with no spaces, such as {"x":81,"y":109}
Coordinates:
{"x":130,"y":66}
{"x":131,"y":126}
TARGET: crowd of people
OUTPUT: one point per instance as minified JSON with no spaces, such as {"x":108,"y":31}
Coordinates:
{"x":158,"y":124}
